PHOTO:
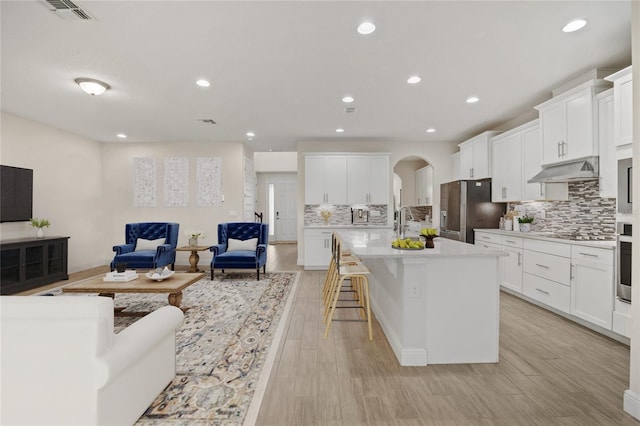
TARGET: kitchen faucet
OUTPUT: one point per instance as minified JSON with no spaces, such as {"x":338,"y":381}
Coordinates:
{"x":401,"y":228}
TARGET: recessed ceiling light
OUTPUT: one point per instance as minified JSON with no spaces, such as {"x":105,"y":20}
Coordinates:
{"x":574,"y":25}
{"x":203,"y":83}
{"x":366,"y":28}
{"x":92,"y":86}
{"x":339,"y":130}
{"x":472,"y":100}
{"x":414,"y":79}
{"x":431,"y":130}
{"x":347,"y":99}
{"x":121,"y":135}
{"x":251,"y":134}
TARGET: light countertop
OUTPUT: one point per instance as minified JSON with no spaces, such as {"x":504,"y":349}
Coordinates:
{"x":549,"y":236}
{"x":376,"y":243}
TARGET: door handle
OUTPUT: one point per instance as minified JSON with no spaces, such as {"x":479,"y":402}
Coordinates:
{"x":277,"y":215}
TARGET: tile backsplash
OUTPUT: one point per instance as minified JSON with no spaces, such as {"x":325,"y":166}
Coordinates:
{"x":584,"y":215}
{"x":341,"y":214}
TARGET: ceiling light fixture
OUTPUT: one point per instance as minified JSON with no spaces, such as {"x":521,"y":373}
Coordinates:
{"x":203,"y":83}
{"x":339,"y":130}
{"x":366,"y":28}
{"x":472,"y":100}
{"x":414,"y":79}
{"x":431,"y":130}
{"x":121,"y":135}
{"x":92,"y":86}
{"x":347,"y":99}
{"x":251,"y":134}
{"x":574,"y":25}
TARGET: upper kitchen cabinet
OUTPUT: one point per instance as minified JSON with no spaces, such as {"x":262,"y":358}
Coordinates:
{"x":475,"y":156}
{"x":424,"y":186}
{"x":608,"y":164}
{"x":567,"y":123}
{"x":623,"y":104}
{"x":516,"y":158}
{"x":325,"y":178}
{"x":368,"y":179}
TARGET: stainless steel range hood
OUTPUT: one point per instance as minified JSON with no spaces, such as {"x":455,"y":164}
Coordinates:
{"x":570,"y":171}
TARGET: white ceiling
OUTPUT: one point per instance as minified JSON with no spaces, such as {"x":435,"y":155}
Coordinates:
{"x":280,"y":69}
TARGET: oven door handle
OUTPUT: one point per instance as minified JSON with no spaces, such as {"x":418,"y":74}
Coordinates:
{"x":624,"y":238}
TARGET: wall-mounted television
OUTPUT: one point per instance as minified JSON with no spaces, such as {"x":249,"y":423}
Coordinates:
{"x":16,"y":194}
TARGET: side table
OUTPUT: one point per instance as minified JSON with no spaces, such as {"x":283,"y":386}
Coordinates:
{"x":194,"y":258}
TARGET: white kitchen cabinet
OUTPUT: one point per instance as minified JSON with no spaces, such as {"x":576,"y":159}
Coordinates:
{"x":325,"y":179}
{"x":592,"y":285}
{"x":368,"y":179}
{"x":506,"y":184}
{"x":622,"y":322}
{"x":547,"y":273}
{"x":623,"y":106}
{"x":512,"y":265}
{"x":475,"y":156}
{"x":608,"y":163}
{"x":455,"y":166}
{"x":567,"y":123}
{"x":532,"y":164}
{"x":317,"y":248}
{"x":424,"y":186}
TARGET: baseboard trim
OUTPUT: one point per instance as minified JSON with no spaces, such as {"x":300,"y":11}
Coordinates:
{"x":631,"y":403}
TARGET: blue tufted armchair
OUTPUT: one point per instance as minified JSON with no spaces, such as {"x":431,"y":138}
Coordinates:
{"x":149,"y":245}
{"x":241,"y":245}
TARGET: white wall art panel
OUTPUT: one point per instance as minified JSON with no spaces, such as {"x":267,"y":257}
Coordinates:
{"x":208,"y":181}
{"x":145,"y":181}
{"x":176,"y":182}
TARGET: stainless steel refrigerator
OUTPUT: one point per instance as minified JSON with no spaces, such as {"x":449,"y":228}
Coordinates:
{"x":466,"y":205}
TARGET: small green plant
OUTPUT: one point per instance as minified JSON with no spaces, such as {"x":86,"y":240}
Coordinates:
{"x":525,"y":219}
{"x":39,"y":223}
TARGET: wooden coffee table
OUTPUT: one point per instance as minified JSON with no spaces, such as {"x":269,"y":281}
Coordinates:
{"x":173,"y":286}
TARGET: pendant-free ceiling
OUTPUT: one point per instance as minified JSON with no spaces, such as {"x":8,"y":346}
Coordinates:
{"x":92,"y":86}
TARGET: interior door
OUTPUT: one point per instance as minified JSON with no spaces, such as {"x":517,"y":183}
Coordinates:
{"x":285,"y":207}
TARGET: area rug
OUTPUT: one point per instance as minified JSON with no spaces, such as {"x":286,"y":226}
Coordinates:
{"x":222,"y":347}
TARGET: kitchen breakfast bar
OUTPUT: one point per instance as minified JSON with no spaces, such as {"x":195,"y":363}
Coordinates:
{"x":435,"y":306}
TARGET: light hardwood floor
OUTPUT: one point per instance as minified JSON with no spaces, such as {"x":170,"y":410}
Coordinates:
{"x":551,"y":372}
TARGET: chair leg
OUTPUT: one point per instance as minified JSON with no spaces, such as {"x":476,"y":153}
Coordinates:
{"x":258,"y":273}
{"x":211,"y":274}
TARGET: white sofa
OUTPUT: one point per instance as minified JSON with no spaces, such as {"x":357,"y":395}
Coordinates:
{"x":62,"y":364}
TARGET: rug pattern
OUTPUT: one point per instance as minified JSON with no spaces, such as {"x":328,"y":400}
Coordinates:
{"x":221,"y":346}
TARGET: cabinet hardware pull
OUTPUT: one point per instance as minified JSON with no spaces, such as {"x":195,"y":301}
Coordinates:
{"x":542,"y":266}
{"x":541,"y":194}
{"x":509,"y":241}
{"x":519,"y":257}
{"x":559,"y":153}
{"x":571,"y":272}
{"x":486,"y":238}
{"x":542,"y":291}
{"x":589,"y":254}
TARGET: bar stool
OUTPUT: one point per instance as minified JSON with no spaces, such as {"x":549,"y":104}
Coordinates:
{"x":357,"y":272}
{"x":331,"y":275}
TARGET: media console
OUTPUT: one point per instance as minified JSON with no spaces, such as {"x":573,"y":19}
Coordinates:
{"x":30,"y":263}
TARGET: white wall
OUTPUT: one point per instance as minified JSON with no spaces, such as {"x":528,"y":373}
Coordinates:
{"x":67,"y":186}
{"x":276,"y":162}
{"x":118,"y":190}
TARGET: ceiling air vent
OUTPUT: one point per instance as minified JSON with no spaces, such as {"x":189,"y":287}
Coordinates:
{"x":349,"y":110}
{"x":207,"y":121}
{"x":67,"y":10}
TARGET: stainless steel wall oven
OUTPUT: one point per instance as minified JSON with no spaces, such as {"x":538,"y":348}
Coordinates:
{"x":623,"y":288}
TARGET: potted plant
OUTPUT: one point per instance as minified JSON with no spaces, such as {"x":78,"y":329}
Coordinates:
{"x":39,"y":223}
{"x":193,"y":237}
{"x":525,"y":223}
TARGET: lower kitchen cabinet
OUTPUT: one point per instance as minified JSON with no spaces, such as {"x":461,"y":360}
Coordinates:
{"x":317,"y":248}
{"x":592,"y":290}
{"x":549,"y":292}
{"x":512,"y":265}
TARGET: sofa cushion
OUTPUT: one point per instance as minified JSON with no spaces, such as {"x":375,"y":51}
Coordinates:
{"x":238,"y":245}
{"x":143,"y":245}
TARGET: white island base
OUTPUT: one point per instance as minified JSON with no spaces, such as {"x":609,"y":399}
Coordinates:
{"x":436,"y":306}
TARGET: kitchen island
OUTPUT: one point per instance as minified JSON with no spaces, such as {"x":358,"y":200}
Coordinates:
{"x":436,"y":306}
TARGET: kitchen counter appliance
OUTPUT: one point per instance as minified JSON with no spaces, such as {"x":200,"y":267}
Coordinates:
{"x":466,"y":205}
{"x":623,"y":287}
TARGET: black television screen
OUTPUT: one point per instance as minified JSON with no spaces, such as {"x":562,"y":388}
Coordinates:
{"x":16,"y":194}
